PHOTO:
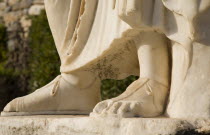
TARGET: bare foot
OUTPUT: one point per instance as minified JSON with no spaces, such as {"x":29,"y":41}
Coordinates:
{"x":66,"y":94}
{"x":143,"y":98}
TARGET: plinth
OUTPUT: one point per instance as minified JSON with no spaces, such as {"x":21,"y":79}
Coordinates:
{"x":84,"y":125}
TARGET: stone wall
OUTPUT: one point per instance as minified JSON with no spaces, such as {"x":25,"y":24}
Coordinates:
{"x":15,"y":16}
{"x":83,"y":125}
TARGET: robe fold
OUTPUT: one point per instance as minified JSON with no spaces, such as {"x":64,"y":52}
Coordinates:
{"x":95,"y":31}
{"x":99,"y":36}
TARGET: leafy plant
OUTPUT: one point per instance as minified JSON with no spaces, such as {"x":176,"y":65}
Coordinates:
{"x":3,"y":48}
{"x":8,"y":78}
{"x":111,"y":88}
{"x":44,"y":61}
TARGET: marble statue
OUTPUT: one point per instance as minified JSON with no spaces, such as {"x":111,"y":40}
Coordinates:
{"x":165,"y":42}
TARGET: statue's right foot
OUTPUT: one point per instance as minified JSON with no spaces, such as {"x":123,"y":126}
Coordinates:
{"x":66,"y":94}
{"x":143,"y":98}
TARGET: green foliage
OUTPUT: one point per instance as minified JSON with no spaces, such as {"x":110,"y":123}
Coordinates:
{"x":44,"y":61}
{"x":2,"y":64}
{"x":8,"y":85}
{"x":3,"y":49}
{"x":111,"y":88}
{"x":4,"y":71}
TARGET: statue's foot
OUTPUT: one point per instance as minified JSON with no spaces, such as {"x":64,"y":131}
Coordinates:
{"x":143,"y":98}
{"x":66,"y":94}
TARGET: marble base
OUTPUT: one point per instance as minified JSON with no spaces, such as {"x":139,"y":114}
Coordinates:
{"x":84,"y":125}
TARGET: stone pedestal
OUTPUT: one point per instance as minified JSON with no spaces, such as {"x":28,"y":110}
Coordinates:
{"x":83,"y":125}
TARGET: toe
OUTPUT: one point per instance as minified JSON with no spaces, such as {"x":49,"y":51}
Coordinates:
{"x":100,"y":107}
{"x":124,"y":108}
{"x":11,"y":106}
{"x":113,"y":109}
{"x":109,"y":105}
{"x":134,"y":108}
{"x":127,"y":110}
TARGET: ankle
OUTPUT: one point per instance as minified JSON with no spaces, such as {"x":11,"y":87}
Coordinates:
{"x":162,"y":80}
{"x":81,"y":79}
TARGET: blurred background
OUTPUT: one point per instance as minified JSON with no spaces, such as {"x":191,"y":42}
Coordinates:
{"x":28,"y":57}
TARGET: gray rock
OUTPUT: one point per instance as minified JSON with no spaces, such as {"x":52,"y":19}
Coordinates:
{"x":2,"y":6}
{"x":13,"y":27}
{"x":22,"y":5}
{"x":12,"y":2}
{"x":12,"y":17}
{"x":36,"y":9}
{"x":11,"y":45}
{"x":83,"y":125}
{"x":38,"y":2}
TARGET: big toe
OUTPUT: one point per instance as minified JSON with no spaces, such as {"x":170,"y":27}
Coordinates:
{"x":11,"y":106}
{"x":100,"y":107}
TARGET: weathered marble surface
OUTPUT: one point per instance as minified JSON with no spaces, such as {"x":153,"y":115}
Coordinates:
{"x":165,"y":42}
{"x":83,"y":125}
{"x":191,"y":99}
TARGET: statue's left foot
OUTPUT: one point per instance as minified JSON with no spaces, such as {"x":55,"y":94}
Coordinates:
{"x":143,"y":98}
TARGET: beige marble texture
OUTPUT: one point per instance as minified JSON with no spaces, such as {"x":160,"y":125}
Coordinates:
{"x":165,"y":42}
{"x":83,"y":125}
